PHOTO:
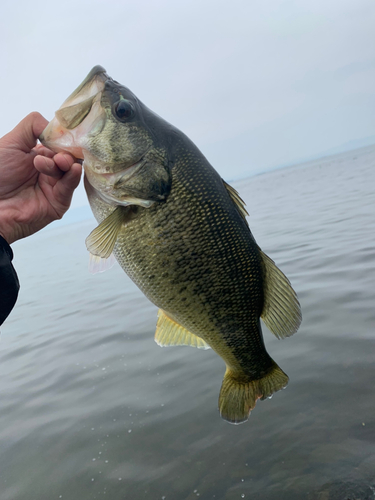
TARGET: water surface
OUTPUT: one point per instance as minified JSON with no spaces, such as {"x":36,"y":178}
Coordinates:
{"x":92,"y":408}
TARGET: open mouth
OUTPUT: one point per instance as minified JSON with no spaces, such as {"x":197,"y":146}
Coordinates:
{"x":66,"y":131}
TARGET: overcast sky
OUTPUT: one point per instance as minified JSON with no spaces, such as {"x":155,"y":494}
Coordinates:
{"x":254,"y":83}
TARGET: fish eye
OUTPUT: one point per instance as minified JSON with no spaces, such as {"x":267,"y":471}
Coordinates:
{"x":124,"y":110}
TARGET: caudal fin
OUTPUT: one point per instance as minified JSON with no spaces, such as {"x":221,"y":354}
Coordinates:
{"x":238,"y":395}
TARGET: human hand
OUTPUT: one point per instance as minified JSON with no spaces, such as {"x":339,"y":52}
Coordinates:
{"x":36,"y":185}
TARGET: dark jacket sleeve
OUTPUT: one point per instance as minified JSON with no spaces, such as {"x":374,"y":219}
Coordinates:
{"x":9,"y":284}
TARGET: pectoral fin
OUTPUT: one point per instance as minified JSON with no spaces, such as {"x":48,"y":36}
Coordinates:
{"x":170,"y":333}
{"x":281,"y":310}
{"x":99,"y":265}
{"x":102,"y":239}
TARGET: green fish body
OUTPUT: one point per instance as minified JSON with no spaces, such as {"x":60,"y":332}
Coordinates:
{"x":180,"y":233}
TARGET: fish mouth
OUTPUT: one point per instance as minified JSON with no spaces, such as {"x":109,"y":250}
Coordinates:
{"x":67,"y":130}
{"x":80,"y":118}
{"x":87,"y":87}
{"x":78,"y":105}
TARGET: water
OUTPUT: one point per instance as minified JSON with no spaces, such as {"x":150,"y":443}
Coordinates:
{"x":92,"y":408}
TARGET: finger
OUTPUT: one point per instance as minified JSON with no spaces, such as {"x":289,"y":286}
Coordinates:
{"x":42,"y":150}
{"x":47,"y":166}
{"x":64,"y":161}
{"x":64,"y":188}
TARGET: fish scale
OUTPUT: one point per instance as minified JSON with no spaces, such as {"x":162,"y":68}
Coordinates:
{"x":180,"y":233}
{"x":220,"y":265}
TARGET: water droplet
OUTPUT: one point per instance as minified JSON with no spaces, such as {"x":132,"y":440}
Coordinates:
{"x":106,"y":461}
{"x":92,"y":428}
{"x":195,"y":491}
{"x":120,"y":478}
{"x":243,"y":495}
{"x":162,"y":404}
{"x":100,"y":452}
{"x":103,"y":369}
{"x":92,"y":479}
{"x":242,"y":480}
{"x":93,"y":459}
{"x":129,"y":431}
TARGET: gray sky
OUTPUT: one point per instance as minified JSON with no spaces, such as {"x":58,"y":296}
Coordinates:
{"x":255,"y":84}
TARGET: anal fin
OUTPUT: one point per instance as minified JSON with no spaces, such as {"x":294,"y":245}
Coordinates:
{"x":170,"y":333}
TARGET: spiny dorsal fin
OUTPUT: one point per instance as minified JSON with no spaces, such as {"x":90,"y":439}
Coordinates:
{"x":281,"y":309}
{"x":102,"y":239}
{"x":169,"y":333}
{"x":237,"y":200}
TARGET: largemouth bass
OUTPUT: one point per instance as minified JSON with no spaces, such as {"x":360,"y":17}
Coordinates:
{"x":180,"y":232}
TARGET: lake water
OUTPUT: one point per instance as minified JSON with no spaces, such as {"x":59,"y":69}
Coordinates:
{"x":92,"y":408}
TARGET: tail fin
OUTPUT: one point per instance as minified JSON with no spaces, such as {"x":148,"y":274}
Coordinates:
{"x":238,"y":395}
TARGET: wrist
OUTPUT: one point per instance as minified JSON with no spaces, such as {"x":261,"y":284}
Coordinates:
{"x":6,"y":236}
{"x":4,"y":245}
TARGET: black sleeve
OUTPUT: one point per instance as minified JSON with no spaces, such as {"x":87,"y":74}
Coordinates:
{"x":9,"y":284}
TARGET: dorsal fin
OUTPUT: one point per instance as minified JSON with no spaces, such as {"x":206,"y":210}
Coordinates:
{"x":102,"y":239}
{"x":169,"y":332}
{"x":237,"y":200}
{"x":281,"y":309}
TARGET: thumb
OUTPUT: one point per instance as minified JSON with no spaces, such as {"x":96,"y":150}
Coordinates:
{"x":24,"y":135}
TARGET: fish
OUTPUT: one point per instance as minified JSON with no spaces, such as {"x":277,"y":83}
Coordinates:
{"x":181,"y":234}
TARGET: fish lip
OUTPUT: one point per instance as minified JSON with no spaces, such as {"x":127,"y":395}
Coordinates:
{"x":73,"y":111}
{"x":97,"y":75}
